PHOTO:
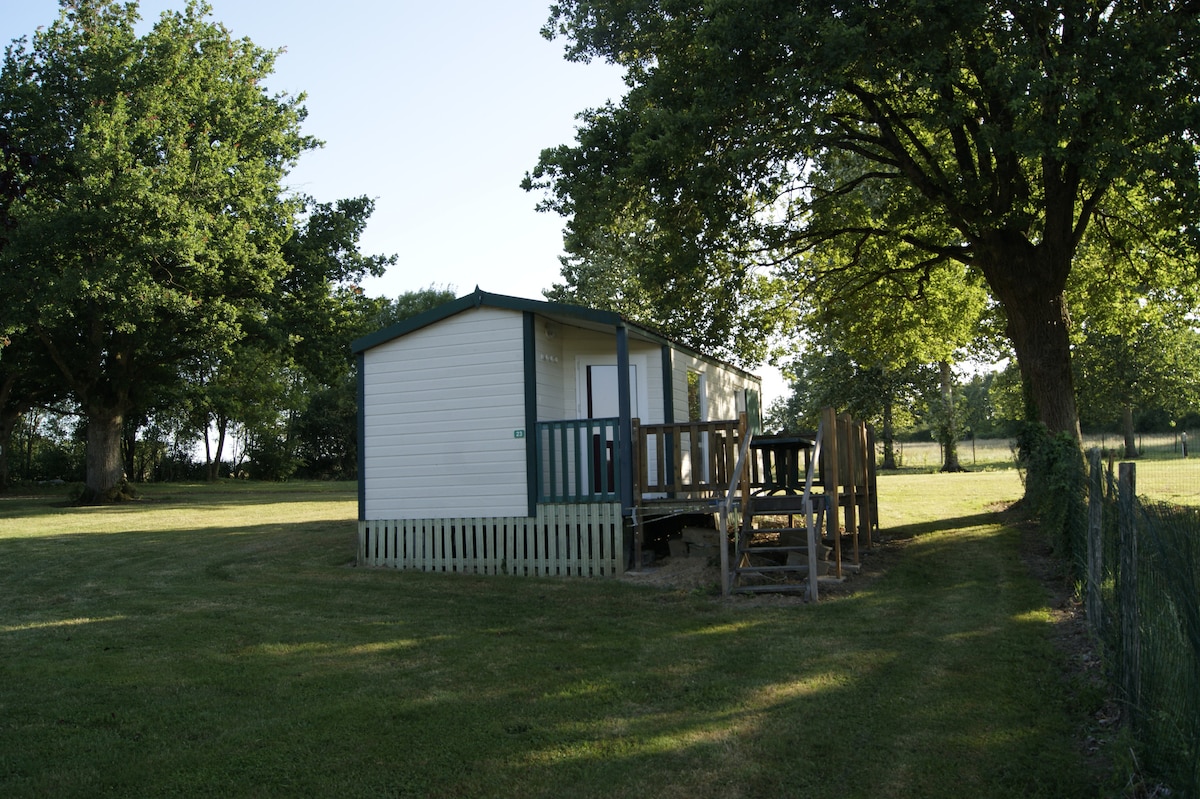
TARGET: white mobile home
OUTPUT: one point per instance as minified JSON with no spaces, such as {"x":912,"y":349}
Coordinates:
{"x":506,"y":435}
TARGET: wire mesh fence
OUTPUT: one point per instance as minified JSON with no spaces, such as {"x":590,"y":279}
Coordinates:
{"x":1168,"y":466}
{"x":1140,"y":564}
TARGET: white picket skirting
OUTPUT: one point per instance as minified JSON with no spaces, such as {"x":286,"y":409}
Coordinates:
{"x":561,"y":541}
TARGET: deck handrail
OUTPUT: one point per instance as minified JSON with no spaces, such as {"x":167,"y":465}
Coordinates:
{"x":809,"y":515}
{"x":660,"y":457}
{"x":736,"y":490}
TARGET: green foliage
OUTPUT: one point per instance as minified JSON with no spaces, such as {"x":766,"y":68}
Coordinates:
{"x":1137,"y":347}
{"x":45,"y":445}
{"x":148,"y":215}
{"x":268,"y":457}
{"x":296,"y":348}
{"x":828,"y":377}
{"x":326,"y":432}
{"x":408,"y":304}
{"x":983,"y":414}
{"x":319,"y":306}
{"x":911,"y":136}
{"x":731,"y":313}
{"x":1055,"y":476}
{"x":25,"y":385}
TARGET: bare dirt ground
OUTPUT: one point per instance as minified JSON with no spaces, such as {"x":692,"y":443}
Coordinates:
{"x":701,"y":575}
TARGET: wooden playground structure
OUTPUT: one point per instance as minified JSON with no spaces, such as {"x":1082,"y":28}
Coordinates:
{"x":814,"y":513}
{"x":795,"y":509}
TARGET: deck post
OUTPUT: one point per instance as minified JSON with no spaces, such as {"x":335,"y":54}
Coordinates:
{"x":832,"y":480}
{"x":743,"y":431}
{"x":866,"y":455}
{"x":625,"y":439}
{"x":846,"y":443}
{"x":637,"y":454}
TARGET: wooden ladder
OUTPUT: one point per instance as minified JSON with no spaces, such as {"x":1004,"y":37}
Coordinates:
{"x":771,"y":558}
{"x":790,"y":558}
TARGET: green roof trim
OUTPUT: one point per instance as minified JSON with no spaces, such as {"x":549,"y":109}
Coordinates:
{"x":479,"y":298}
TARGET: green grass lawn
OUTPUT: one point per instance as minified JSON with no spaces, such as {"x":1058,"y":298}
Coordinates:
{"x":218,"y":641}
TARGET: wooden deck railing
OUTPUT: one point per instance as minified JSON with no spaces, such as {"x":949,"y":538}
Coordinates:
{"x":579,"y":461}
{"x":688,"y":460}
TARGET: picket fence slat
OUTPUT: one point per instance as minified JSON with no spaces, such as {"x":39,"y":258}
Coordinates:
{"x":562,"y":540}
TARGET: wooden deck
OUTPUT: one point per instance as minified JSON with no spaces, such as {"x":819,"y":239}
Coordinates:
{"x":719,"y":468}
{"x":788,"y":502}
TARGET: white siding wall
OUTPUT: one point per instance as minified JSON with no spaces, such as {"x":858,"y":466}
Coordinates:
{"x":440,"y":408}
{"x":656,"y":412}
{"x":724,"y":387}
{"x":551,"y":381}
{"x":581,"y":347}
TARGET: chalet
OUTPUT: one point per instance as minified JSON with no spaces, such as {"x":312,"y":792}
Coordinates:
{"x":497,"y":434}
{"x":500,"y":435}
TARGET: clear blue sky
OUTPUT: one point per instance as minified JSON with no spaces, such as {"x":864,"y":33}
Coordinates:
{"x":435,"y":109}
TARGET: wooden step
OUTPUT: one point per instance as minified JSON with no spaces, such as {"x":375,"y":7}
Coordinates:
{"x":761,"y":506}
{"x":776,"y":530}
{"x":771,"y":588}
{"x":785,"y":588}
{"x":780,"y":548}
{"x":823,"y":567}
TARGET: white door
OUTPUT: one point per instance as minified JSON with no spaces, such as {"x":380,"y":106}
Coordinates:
{"x":602,"y":400}
{"x":603,"y":394}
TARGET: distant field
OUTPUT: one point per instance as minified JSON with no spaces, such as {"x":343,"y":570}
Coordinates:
{"x":1163,"y":474}
{"x":927,"y":455}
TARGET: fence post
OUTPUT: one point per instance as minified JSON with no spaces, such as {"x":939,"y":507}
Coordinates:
{"x":1094,"y":541}
{"x":1127,"y":595}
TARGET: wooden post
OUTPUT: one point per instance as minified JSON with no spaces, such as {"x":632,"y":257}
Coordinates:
{"x":638,"y":449}
{"x":829,"y":473}
{"x":864,"y":483}
{"x":846,"y":442}
{"x":743,"y":432}
{"x":872,"y":476}
{"x":1127,"y":589}
{"x":813,"y":538}
{"x":677,"y":456}
{"x":1094,"y":540}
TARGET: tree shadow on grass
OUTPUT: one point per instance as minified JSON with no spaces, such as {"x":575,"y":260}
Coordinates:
{"x":944,"y":525}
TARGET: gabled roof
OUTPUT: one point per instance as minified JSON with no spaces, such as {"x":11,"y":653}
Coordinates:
{"x":479,"y":299}
{"x":558,"y":311}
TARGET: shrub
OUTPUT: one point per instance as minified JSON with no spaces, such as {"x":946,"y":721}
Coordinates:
{"x":1052,"y":469}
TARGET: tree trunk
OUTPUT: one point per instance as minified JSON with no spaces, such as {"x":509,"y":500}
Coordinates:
{"x":213,"y":467}
{"x":1028,"y":281}
{"x":1131,"y":450}
{"x":948,"y":426}
{"x":129,"y":450}
{"x":8,"y":423}
{"x":889,"y":432}
{"x":105,"y":472}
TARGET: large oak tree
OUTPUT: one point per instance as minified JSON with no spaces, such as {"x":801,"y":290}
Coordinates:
{"x":145,"y":215}
{"x":995,"y":135}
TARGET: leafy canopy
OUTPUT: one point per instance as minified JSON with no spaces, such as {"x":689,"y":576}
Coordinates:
{"x":991,"y":135}
{"x":145,"y":211}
